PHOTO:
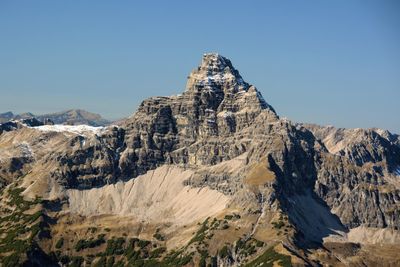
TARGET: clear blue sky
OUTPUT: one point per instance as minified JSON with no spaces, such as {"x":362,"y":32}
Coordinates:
{"x":328,"y":62}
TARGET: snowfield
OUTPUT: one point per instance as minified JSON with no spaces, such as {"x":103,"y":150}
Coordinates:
{"x":76,"y":129}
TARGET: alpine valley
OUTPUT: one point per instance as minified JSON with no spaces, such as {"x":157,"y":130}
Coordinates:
{"x":210,"y":177}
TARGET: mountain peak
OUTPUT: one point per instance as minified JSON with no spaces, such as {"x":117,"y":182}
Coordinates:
{"x":214,"y":63}
{"x":216,"y":73}
{"x":220,"y":84}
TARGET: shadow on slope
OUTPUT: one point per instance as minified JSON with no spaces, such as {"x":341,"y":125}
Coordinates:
{"x":296,"y":176}
{"x":313,"y":219}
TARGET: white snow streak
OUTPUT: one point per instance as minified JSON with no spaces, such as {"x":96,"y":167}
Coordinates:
{"x":76,"y":129}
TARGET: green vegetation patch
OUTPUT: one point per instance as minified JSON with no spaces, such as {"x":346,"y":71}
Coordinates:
{"x":60,"y":243}
{"x":177,"y":258}
{"x":16,"y":228}
{"x":115,"y":246}
{"x":224,"y":252}
{"x":91,"y":243}
{"x":201,"y":233}
{"x":157,"y":235}
{"x":232,"y":216}
{"x":278,"y":225}
{"x":268,"y":258}
{"x":247,"y":247}
{"x":157,"y":252}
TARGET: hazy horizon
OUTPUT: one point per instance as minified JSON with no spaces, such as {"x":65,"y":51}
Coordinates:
{"x":329,"y":63}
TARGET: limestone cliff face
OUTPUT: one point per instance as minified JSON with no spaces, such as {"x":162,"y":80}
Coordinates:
{"x":199,"y":127}
{"x":359,"y":178}
{"x":223,"y":131}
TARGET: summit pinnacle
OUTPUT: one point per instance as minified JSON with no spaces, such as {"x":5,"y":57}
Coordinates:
{"x":216,"y":73}
{"x":221,"y":84}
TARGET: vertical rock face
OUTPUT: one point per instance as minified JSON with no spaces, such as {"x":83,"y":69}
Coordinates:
{"x":358,"y":178}
{"x":184,"y":129}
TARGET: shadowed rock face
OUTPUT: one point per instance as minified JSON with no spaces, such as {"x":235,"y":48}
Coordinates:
{"x":325,"y":180}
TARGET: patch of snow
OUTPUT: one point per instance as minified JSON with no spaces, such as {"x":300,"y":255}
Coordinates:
{"x":227,"y":114}
{"x":220,"y":78}
{"x":397,"y":171}
{"x":212,"y":79}
{"x":291,"y":200}
{"x":380,"y":132}
{"x":76,"y":129}
{"x":26,"y":150}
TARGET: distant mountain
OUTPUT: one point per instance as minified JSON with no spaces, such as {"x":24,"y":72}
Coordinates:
{"x":7,"y":116}
{"x":69,"y":117}
{"x":75,"y":117}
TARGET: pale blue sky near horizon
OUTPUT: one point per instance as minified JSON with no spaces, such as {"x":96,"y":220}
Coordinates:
{"x":327,"y":62}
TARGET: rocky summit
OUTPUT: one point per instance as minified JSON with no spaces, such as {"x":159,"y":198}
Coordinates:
{"x":210,"y":177}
